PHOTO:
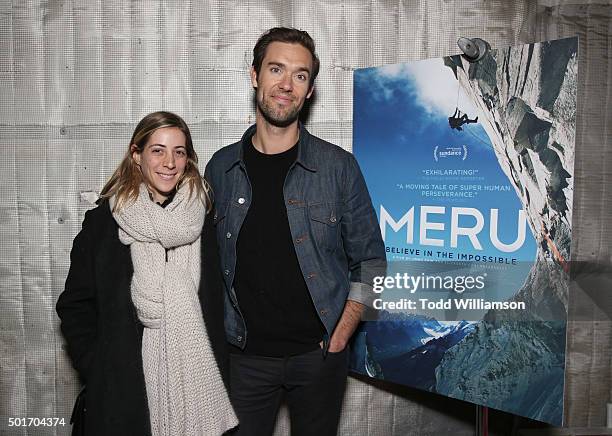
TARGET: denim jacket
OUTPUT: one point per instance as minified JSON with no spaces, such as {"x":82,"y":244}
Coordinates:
{"x":333,"y":224}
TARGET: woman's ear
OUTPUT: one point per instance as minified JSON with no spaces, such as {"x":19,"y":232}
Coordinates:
{"x":135,"y":153}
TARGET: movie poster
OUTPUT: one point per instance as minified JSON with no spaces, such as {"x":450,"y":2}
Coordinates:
{"x":470,"y":170}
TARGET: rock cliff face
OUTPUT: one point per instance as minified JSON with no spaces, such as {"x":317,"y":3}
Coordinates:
{"x":527,"y":96}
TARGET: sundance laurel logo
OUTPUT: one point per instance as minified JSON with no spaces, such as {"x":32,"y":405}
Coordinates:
{"x":450,"y":152}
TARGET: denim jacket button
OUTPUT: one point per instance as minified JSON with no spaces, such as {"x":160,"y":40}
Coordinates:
{"x":228,"y":235}
{"x":239,"y":338}
{"x":226,"y":272}
{"x":241,"y":200}
{"x":333,"y":219}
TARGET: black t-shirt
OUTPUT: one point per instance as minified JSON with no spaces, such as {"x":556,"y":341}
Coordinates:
{"x":280,"y":316}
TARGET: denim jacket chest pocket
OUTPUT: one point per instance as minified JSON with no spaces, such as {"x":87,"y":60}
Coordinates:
{"x":325,"y":224}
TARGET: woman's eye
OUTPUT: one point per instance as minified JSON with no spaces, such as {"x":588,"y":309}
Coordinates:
{"x":156,"y":150}
{"x":181,"y":153}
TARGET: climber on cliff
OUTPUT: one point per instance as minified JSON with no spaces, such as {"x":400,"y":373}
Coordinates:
{"x":458,"y":119}
{"x":548,"y":236}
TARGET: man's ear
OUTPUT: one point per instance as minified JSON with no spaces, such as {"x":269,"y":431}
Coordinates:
{"x":310,"y":92}
{"x":253,"y":77}
{"x":135,"y":154}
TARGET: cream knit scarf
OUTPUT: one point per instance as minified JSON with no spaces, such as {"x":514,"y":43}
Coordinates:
{"x":185,"y":391}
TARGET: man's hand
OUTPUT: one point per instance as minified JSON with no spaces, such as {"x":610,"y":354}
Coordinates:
{"x":346,"y":326}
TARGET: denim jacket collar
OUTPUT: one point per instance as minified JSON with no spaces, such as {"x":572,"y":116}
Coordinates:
{"x":304,"y":155}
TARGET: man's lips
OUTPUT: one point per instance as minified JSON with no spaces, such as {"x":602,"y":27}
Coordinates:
{"x":282,"y":98}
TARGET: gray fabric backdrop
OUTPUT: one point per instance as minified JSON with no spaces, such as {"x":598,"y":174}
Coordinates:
{"x":76,"y":75}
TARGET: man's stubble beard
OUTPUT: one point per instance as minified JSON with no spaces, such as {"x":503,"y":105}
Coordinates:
{"x":276,"y":117}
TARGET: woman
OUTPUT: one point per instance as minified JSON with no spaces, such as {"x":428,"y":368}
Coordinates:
{"x":130,"y":311}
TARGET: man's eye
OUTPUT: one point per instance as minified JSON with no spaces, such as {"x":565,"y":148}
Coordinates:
{"x":302,"y":77}
{"x":275,"y":69}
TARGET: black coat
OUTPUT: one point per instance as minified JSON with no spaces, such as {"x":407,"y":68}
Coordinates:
{"x":102,"y":330}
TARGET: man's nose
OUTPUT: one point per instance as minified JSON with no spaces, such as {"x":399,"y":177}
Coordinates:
{"x":286,"y":83}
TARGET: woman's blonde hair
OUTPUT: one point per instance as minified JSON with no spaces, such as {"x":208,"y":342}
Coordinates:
{"x":125,"y":182}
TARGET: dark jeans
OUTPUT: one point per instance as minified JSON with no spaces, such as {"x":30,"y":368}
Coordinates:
{"x":312,"y":385}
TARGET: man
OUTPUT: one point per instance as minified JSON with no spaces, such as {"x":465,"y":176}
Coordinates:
{"x":299,"y":244}
{"x":458,"y":119}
